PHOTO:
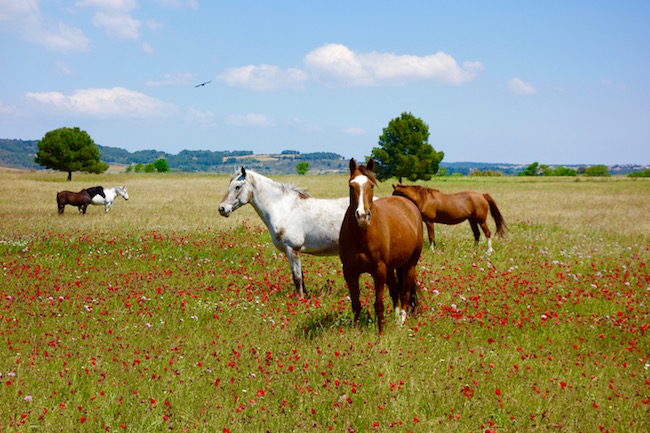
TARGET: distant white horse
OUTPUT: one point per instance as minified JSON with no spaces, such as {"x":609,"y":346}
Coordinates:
{"x":111,"y":194}
{"x":298,"y":223}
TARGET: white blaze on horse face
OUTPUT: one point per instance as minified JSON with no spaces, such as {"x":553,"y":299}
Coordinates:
{"x":362,"y":214}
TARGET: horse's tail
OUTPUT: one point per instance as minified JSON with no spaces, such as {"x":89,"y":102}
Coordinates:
{"x":413,"y":300}
{"x":498,"y":218}
{"x":413,"y":303}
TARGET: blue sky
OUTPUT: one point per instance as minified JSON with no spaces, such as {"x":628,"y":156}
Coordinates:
{"x":559,"y":82}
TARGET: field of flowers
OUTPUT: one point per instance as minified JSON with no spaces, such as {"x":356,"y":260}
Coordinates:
{"x":164,"y":316}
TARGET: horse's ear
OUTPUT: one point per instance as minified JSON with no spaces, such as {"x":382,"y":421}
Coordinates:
{"x":400,"y":180}
{"x":370,"y":165}
{"x":353,"y":165}
{"x":243,"y":171}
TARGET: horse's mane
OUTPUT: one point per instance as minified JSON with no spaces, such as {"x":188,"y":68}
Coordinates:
{"x":423,"y":190}
{"x":285,"y":187}
{"x":94,"y":190}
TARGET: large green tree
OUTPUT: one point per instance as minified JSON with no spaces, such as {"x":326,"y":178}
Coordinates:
{"x":69,"y":149}
{"x":404,"y":150}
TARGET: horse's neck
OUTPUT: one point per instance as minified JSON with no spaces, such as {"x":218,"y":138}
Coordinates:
{"x":267,"y":195}
{"x":110,"y":193}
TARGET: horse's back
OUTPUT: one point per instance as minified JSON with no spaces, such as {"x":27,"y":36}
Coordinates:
{"x":454,"y":208}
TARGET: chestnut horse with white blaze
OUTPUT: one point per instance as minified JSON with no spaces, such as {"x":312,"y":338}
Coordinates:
{"x":382,"y":237}
{"x":438,"y":207}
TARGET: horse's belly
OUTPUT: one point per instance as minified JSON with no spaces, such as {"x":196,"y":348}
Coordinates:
{"x":97,"y":200}
{"x":446,"y":218}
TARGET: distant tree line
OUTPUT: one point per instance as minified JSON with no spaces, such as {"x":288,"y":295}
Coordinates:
{"x":537,"y":169}
{"x":15,"y":153}
{"x":644,"y":173}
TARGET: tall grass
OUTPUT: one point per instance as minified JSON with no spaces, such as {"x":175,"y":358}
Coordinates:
{"x":164,"y":316}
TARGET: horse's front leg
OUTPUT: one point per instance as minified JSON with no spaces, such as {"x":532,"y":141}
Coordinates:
{"x":477,"y":234}
{"x":352,"y":280}
{"x":432,"y":234}
{"x":296,"y":270}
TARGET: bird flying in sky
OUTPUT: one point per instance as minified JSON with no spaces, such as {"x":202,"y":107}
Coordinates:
{"x":203,"y":84}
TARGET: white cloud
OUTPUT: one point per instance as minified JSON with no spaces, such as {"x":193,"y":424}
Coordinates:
{"x":250,"y":119}
{"x":264,"y":77}
{"x":354,"y":131}
{"x":6,"y":109}
{"x":173,"y":79}
{"x":116,"y":5}
{"x":122,"y":26}
{"x":609,"y":83}
{"x":10,"y":9}
{"x":519,"y":87}
{"x":25,"y":19}
{"x":337,"y":65}
{"x":114,"y":16}
{"x":113,"y":102}
{"x":201,"y":119}
{"x":179,"y":4}
{"x":147,"y":48}
{"x":63,"y":68}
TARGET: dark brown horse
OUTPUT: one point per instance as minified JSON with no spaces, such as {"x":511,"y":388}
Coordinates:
{"x":80,"y":199}
{"x":438,"y":207}
{"x":381,"y":237}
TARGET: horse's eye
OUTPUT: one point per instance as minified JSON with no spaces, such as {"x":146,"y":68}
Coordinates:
{"x":238,"y":187}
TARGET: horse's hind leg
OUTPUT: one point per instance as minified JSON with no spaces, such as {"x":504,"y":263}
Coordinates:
{"x":407,"y":289}
{"x":380,"y":281}
{"x":488,"y":235}
{"x":393,"y":288}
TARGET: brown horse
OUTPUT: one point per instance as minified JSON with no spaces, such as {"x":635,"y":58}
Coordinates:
{"x":438,"y":207}
{"x":80,"y":199}
{"x":381,"y":237}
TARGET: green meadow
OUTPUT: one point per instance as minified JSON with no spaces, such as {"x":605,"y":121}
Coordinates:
{"x":164,"y":316}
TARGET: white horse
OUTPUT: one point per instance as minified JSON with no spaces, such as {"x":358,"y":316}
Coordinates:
{"x":111,"y":194}
{"x":297,"y":222}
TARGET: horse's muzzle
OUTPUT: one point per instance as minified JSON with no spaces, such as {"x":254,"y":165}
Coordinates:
{"x":363,"y":218}
{"x":224,"y":212}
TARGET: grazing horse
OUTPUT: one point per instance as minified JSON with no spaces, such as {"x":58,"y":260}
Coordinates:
{"x":297,"y":222}
{"x":381,"y":237}
{"x":80,"y":199}
{"x":110,"y":194}
{"x":438,"y":207}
